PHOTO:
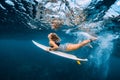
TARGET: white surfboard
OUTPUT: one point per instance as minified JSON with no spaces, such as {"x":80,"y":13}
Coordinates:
{"x":62,"y":54}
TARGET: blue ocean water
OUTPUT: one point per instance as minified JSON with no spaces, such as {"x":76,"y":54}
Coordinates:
{"x":20,"y":59}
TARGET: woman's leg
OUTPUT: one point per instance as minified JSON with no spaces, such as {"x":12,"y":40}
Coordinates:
{"x":71,"y":47}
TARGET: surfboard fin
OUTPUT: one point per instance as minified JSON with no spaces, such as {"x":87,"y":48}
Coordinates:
{"x":78,"y":62}
{"x":90,"y":45}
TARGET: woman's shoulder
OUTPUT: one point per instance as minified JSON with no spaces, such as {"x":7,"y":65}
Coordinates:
{"x":51,"y":42}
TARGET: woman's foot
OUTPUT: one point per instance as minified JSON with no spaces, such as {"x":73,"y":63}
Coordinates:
{"x":93,"y":38}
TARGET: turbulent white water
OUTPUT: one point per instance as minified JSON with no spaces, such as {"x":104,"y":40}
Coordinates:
{"x":100,"y":54}
{"x":9,"y":2}
{"x":114,"y":10}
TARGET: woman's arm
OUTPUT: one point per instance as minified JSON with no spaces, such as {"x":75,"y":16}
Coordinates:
{"x":55,"y":47}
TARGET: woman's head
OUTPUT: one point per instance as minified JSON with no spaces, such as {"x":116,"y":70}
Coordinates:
{"x":53,"y":36}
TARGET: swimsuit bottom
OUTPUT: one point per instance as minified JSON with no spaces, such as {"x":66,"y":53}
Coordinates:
{"x":62,"y":47}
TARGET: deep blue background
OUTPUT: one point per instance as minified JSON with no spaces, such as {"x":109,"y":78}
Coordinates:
{"x":20,"y":59}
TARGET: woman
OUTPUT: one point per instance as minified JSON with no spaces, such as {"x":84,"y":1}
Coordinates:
{"x":54,"y":42}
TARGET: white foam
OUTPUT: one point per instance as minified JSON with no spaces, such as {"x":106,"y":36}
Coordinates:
{"x":39,"y":0}
{"x":101,"y":54}
{"x":79,"y":3}
{"x":2,"y":7}
{"x":9,"y":2}
{"x":32,"y":26}
{"x":53,"y":6}
{"x":31,"y":1}
{"x":118,"y":3}
{"x":114,"y":10}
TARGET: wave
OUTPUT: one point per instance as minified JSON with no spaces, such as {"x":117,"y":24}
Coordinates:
{"x":36,"y":14}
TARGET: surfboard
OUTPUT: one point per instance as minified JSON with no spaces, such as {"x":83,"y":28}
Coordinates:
{"x":58,"y":53}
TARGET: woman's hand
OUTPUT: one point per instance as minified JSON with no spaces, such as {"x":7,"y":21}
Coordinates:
{"x":49,"y":49}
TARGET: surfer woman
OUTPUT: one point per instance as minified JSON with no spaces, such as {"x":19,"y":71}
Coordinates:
{"x":54,"y":42}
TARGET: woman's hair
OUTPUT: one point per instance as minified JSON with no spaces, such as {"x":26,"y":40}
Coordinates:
{"x":55,"y":37}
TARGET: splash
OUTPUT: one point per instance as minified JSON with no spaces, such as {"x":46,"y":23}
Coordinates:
{"x":101,"y":54}
{"x":101,"y":51}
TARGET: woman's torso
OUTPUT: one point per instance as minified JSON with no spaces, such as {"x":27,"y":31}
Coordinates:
{"x":61,"y":47}
{"x":57,"y":43}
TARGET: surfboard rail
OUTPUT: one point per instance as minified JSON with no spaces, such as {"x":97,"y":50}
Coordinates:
{"x":62,"y":54}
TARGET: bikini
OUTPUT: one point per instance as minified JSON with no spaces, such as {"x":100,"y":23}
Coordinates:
{"x":61,"y":47}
